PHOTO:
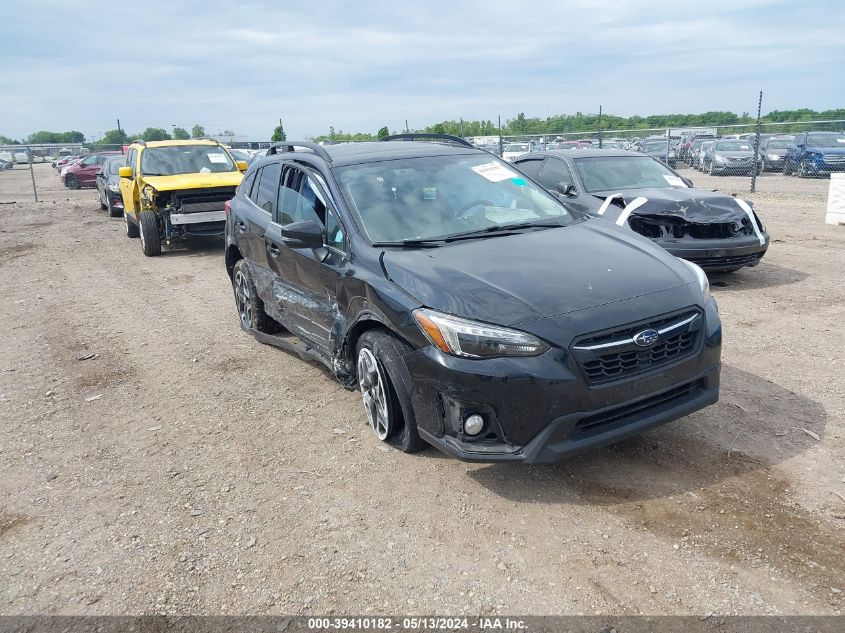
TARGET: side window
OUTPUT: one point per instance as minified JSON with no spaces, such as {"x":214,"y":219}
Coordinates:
{"x":90,"y":160}
{"x":268,"y":187}
{"x":246,"y":184}
{"x":299,"y":199}
{"x":131,"y":159}
{"x":335,"y":237}
{"x":253,"y":191}
{"x":101,"y":159}
{"x":555,"y":171}
{"x":530,"y":168}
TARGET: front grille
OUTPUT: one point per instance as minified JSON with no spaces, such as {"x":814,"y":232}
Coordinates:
{"x":613,"y":355}
{"x":627,"y":413}
{"x":834,"y":158}
{"x":737,"y":260}
{"x":201,"y":200}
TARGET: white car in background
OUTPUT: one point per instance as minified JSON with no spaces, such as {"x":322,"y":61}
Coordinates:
{"x":513,"y":150}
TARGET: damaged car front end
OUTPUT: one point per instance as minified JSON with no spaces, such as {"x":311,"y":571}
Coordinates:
{"x":720,"y":233}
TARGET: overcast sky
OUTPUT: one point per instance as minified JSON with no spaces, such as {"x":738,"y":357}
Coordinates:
{"x":359,"y":65}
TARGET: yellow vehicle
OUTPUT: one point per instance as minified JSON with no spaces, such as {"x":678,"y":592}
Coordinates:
{"x":172,"y":190}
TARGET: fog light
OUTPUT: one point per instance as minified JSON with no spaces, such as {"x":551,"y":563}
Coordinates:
{"x":473,"y":424}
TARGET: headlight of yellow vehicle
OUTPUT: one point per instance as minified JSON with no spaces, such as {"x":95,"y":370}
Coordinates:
{"x":149,"y":194}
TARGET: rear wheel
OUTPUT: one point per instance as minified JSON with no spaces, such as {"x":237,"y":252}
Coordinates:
{"x":131,"y":227}
{"x":150,"y":237}
{"x":249,"y":306}
{"x":385,"y":387}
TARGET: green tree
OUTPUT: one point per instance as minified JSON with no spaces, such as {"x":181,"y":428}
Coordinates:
{"x":383,"y":132}
{"x":279,"y":134}
{"x":197,"y":131}
{"x":180,"y":133}
{"x":115,"y":137}
{"x":5,"y":140}
{"x":155,"y":134}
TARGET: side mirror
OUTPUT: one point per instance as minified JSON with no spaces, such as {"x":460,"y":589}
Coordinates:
{"x":242,"y":165}
{"x":304,"y":234}
{"x":566,"y":189}
{"x":125,"y":172}
{"x":687,"y":182}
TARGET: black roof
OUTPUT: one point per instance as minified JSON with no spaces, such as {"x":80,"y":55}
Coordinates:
{"x":352,"y":153}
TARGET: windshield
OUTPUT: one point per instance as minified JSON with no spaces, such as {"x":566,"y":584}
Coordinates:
{"x":826,"y":139}
{"x":440,"y":196}
{"x":185,"y":159}
{"x":516,"y":147}
{"x":624,"y":172}
{"x":659,"y":146}
{"x":779,"y":144}
{"x":733,"y":146}
{"x":238,"y":154}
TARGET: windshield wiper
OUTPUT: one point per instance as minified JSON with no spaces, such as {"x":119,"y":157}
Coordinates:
{"x":426,"y":243}
{"x":504,"y":229}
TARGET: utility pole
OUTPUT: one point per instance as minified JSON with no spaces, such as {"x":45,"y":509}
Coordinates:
{"x":462,"y":127}
{"x":406,"y":126}
{"x":118,"y":125}
{"x":32,"y":173}
{"x":756,"y":145}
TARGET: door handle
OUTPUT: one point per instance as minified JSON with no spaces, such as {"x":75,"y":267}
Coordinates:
{"x":274,"y":250}
{"x":241,"y":227}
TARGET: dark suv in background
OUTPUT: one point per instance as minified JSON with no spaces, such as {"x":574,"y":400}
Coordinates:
{"x":472,"y":310}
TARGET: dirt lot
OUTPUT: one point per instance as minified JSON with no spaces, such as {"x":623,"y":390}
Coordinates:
{"x":186,"y":468}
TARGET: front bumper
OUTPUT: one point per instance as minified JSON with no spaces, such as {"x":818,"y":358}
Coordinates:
{"x":542,"y":409}
{"x":719,"y":255}
{"x":733,"y":169}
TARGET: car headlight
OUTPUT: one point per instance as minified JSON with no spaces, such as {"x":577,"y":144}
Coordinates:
{"x":718,"y":158}
{"x":113,"y":186}
{"x":148,"y":193}
{"x":471,"y":339}
{"x":774,"y":157}
{"x":703,"y":282}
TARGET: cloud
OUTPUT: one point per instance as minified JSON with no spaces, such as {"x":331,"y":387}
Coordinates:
{"x":360,"y":66}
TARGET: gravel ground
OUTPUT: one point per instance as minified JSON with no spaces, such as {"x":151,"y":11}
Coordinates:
{"x":156,"y":459}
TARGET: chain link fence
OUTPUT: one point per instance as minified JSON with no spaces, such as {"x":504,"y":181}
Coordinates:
{"x":761,"y":154}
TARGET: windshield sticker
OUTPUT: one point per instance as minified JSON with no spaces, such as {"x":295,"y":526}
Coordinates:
{"x":429,"y":193}
{"x":217,"y":158}
{"x":674,"y":180}
{"x":840,"y":140}
{"x":494,"y":172}
{"x":519,"y":182}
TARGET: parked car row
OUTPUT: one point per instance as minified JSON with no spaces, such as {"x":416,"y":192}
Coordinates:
{"x":491,"y":309}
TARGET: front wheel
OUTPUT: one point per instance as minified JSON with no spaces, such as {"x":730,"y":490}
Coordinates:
{"x":385,"y":387}
{"x":114,"y":212}
{"x":71,"y":182}
{"x":803,"y":171}
{"x":150,"y":237}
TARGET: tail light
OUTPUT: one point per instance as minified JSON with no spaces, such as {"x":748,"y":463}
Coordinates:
{"x":227,"y":206}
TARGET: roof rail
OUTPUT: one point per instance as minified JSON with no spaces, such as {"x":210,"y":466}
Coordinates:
{"x":289,"y":146}
{"x":138,"y":141}
{"x":415,"y":136}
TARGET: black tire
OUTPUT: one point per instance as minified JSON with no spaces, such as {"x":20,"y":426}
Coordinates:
{"x":150,"y":236}
{"x":131,"y":227}
{"x":786,"y":170}
{"x":71,"y":182}
{"x":389,"y":352}
{"x":114,"y":212}
{"x":803,"y":172}
{"x":247,"y":302}
{"x":103,"y":207}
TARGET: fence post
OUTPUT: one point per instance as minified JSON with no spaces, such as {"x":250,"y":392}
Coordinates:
{"x":32,"y":173}
{"x":600,"y":127}
{"x":756,"y":145}
{"x":668,"y":136}
{"x":501,"y":145}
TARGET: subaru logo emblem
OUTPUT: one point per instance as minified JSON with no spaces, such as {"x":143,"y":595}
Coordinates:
{"x":646,"y":338}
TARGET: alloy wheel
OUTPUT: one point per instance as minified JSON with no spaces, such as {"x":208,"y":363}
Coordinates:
{"x":242,"y":299}
{"x":374,"y":392}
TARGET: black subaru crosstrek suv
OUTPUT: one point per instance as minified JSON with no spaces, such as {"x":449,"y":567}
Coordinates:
{"x":471,"y":308}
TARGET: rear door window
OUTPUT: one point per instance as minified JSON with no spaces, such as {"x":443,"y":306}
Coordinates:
{"x":268,"y":187}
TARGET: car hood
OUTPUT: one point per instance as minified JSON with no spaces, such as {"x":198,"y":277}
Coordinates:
{"x":511,"y":279}
{"x":693,"y":205}
{"x":826,"y":150}
{"x":194,"y":181}
{"x":737,"y":154}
